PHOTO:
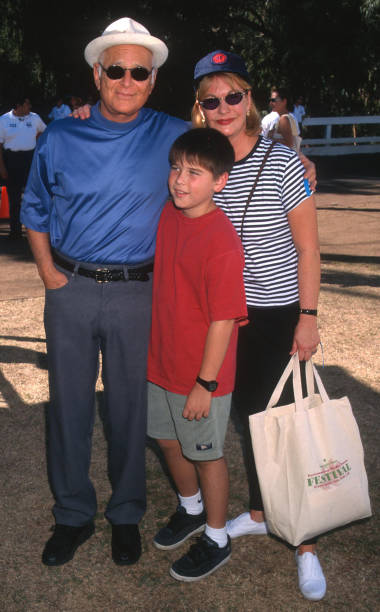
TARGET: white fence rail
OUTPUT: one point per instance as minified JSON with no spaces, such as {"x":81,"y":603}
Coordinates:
{"x":330,"y":145}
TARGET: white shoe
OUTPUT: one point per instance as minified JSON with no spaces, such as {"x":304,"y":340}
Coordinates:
{"x":311,"y":580}
{"x":244,"y":525}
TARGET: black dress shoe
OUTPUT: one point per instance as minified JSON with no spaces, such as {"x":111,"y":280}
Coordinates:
{"x":65,"y":540}
{"x":126,"y":544}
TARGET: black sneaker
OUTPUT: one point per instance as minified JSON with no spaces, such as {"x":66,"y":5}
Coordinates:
{"x":62,"y":545}
{"x":181,"y":526}
{"x":203,"y":558}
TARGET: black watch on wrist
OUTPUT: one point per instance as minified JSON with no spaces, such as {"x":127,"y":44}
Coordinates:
{"x":209,"y":385}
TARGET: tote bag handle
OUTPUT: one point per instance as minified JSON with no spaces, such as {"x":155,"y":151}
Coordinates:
{"x":311,"y":374}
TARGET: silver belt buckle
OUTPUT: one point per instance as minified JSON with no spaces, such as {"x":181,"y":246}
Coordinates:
{"x":103,"y":275}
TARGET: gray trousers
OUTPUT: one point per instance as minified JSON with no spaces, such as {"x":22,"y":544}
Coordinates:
{"x":82,"y":318}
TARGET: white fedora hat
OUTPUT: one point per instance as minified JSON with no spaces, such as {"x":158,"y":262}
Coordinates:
{"x":126,"y":31}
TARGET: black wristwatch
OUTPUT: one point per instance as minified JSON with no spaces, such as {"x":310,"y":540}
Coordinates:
{"x":209,"y":385}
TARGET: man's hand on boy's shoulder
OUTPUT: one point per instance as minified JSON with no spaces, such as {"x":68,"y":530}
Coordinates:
{"x":197,"y":404}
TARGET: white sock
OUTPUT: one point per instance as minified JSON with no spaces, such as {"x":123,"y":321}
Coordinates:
{"x":217,"y":535}
{"x":192,"y":504}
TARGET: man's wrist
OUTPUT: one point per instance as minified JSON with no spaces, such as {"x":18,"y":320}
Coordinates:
{"x":48,"y":272}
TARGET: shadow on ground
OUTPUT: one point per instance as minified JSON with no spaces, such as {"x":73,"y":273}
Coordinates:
{"x":348,"y":174}
{"x":349,"y":279}
{"x":259,"y":574}
{"x":18,"y":250}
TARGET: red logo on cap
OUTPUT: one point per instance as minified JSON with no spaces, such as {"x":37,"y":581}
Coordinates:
{"x":219,"y":58}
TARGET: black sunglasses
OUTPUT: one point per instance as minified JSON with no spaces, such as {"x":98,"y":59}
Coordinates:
{"x":114,"y":72}
{"x":232,"y":99}
{"x":273,"y":99}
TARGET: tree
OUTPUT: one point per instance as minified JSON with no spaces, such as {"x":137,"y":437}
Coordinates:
{"x":326,"y":51}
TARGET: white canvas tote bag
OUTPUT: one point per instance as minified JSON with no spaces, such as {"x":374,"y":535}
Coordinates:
{"x":309,"y":459}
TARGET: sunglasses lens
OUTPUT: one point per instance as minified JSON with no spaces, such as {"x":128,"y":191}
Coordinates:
{"x":115,"y":72}
{"x":210,"y":103}
{"x":234,"y":98}
{"x":139,"y":73}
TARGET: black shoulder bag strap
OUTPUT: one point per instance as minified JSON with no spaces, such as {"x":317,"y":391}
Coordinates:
{"x":254,"y":187}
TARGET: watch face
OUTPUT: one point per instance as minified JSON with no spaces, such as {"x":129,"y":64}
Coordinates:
{"x":210,"y":385}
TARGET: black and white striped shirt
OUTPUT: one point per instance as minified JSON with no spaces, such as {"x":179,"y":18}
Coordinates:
{"x":270,"y":273}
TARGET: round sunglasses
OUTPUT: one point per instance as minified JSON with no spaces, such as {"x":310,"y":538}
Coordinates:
{"x":115,"y":72}
{"x":232,"y":99}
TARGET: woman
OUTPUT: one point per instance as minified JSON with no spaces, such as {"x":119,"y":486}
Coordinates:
{"x":286,"y":129}
{"x":278,"y":228}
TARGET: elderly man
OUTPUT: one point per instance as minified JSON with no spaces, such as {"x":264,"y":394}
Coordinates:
{"x":92,"y":218}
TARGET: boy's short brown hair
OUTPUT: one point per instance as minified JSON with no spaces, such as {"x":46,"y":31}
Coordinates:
{"x":206,"y":147}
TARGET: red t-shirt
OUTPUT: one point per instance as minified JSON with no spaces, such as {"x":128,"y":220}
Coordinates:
{"x":198,"y":278}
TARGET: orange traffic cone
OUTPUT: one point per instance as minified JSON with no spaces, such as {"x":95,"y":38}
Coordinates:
{"x":4,"y":205}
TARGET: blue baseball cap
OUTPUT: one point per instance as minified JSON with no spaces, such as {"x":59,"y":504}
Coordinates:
{"x":220,"y":61}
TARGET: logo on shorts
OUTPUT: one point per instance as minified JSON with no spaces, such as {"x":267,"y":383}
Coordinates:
{"x":204,"y":447}
{"x":332,"y":473}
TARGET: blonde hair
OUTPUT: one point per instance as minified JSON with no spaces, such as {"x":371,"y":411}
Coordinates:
{"x":253,"y":121}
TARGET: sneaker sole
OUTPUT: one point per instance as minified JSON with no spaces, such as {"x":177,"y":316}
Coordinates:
{"x":246,"y":533}
{"x":177,"y":544}
{"x":313,"y":598}
{"x":196,"y":578}
{"x":81,"y":541}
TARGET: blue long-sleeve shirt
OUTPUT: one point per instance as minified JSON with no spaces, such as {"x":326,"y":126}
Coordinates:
{"x":98,"y":186}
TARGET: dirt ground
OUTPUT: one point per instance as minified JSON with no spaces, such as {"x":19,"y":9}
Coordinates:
{"x":261,"y":574}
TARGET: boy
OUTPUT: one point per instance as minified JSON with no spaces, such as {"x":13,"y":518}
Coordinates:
{"x":198,"y":300}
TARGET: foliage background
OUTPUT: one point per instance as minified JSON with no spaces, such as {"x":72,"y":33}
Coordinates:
{"x":325,"y":50}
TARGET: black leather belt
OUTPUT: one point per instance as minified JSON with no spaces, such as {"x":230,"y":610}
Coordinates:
{"x":106,"y":275}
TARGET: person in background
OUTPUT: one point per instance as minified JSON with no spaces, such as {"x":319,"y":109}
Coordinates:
{"x":75,"y":102}
{"x":271,"y":206}
{"x":19,"y":131}
{"x":285,"y":129}
{"x":299,"y":112}
{"x":92,"y":217}
{"x":269,"y":121}
{"x":60,"y":110}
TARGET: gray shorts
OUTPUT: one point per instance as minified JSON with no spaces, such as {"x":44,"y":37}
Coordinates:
{"x":200,"y":440}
